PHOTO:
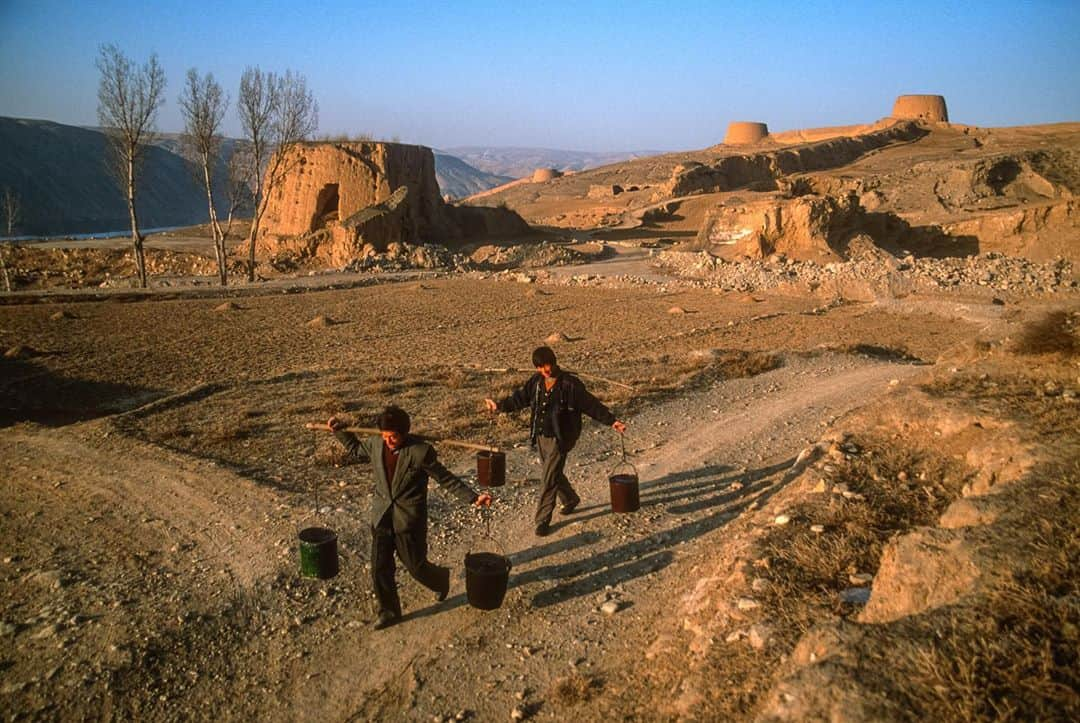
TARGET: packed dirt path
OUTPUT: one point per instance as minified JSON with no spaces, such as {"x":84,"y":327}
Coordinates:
{"x":702,"y":459}
{"x":173,"y":590}
{"x":149,"y":567}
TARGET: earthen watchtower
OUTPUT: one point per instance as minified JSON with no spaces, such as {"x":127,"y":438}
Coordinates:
{"x":741,"y":133}
{"x":921,"y":107}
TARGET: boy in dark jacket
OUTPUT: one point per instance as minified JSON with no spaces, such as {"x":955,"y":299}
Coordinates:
{"x":402,"y":465}
{"x":556,"y":399}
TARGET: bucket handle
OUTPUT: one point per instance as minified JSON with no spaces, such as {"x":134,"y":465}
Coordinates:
{"x":624,"y":461}
{"x":314,"y":513}
{"x":486,"y":515}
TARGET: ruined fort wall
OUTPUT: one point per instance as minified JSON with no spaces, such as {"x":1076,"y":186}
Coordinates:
{"x":357,"y":175}
{"x":763,"y":168}
{"x":813,"y":135}
{"x":745,"y":133}
{"x":921,"y":107}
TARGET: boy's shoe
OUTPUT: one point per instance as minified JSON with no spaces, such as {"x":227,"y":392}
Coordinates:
{"x":543,"y":529}
{"x":569,"y":507}
{"x":386,"y":620}
{"x":444,"y":585}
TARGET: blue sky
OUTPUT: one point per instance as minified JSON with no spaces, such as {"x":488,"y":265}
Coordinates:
{"x":599,"y":76}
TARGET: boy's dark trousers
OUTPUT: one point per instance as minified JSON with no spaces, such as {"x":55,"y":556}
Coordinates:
{"x":411,"y":548}
{"x":553,"y":482}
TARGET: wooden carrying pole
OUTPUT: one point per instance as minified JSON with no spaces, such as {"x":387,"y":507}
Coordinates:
{"x":426,"y":438}
{"x":511,"y":370}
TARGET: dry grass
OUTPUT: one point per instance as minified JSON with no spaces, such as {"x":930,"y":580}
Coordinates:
{"x":902,"y":487}
{"x":457,"y":379}
{"x":332,"y":455}
{"x":656,"y":378}
{"x":1015,"y":654}
{"x":227,"y":431}
{"x":1055,"y":333}
{"x":1033,"y":397}
{"x":576,"y":688}
{"x":331,"y":403}
{"x":380,"y":385}
{"x":806,"y":571}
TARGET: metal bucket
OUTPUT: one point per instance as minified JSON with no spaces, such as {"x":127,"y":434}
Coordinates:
{"x":624,"y":493}
{"x":318,"y":552}
{"x":486,"y":578}
{"x":491,"y":469}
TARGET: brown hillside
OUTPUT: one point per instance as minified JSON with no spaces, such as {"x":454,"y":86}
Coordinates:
{"x":928,"y":188}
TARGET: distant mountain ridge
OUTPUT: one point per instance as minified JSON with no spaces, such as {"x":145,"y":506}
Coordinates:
{"x":458,"y":179}
{"x":58,"y":172}
{"x":518,"y":162}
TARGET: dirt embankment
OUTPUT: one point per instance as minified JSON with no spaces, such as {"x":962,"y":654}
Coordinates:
{"x":928,"y":189}
{"x":921,"y":563}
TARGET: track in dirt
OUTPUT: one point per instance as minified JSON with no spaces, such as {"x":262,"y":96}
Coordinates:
{"x":209,"y":611}
{"x":705,"y":459}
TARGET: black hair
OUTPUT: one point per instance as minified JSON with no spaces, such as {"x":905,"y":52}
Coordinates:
{"x":543,"y":355}
{"x":393,"y":419}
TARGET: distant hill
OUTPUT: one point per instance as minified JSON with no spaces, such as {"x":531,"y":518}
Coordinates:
{"x":458,"y":179}
{"x":521,"y":162}
{"x":59,"y":174}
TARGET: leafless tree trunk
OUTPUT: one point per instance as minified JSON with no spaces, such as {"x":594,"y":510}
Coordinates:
{"x":276,"y":112}
{"x":12,"y":210}
{"x":203,"y":106}
{"x":128,"y":101}
{"x":3,"y":267}
{"x":238,"y":187}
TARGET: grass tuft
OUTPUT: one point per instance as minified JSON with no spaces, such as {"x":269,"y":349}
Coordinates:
{"x":576,"y":688}
{"x":1055,"y":333}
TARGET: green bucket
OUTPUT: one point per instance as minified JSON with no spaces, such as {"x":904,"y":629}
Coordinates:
{"x":318,"y":553}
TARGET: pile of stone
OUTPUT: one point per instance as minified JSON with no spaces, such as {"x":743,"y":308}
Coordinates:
{"x":404,"y":257}
{"x":992,"y":271}
{"x":526,"y":256}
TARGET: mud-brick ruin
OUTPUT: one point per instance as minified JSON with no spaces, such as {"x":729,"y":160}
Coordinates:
{"x":543,"y":175}
{"x":339,"y":197}
{"x":741,"y":133}
{"x":921,"y":107}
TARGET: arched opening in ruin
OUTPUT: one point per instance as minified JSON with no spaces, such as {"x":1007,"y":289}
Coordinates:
{"x":326,"y":207}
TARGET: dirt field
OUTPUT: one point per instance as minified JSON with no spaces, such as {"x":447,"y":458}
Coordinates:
{"x":158,"y":471}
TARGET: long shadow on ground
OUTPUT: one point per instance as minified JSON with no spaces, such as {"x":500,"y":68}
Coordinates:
{"x":647,"y":554}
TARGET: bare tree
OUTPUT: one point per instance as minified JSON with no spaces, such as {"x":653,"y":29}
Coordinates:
{"x":276,"y":112}
{"x":238,"y":185}
{"x":203,"y":105}
{"x":128,"y":101}
{"x":3,"y":268}
{"x":12,"y":208}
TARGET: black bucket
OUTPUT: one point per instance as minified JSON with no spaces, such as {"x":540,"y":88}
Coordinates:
{"x":486,"y":578}
{"x":624,"y":493}
{"x":491,"y":469}
{"x":318,"y":553}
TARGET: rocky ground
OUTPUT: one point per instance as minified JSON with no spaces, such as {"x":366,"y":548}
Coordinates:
{"x":829,"y":483}
{"x":876,"y":272}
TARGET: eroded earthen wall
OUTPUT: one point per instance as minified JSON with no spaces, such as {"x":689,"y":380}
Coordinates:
{"x":745,"y":132}
{"x":542,"y":175}
{"x":921,"y":107}
{"x":328,"y":182}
